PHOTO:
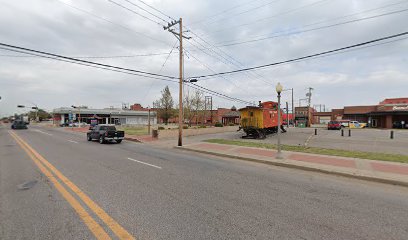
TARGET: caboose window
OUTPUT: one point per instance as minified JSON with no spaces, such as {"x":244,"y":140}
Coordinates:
{"x":270,"y":115}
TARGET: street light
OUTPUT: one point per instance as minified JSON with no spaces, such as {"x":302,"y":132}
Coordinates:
{"x":279,"y":89}
{"x":79,"y":114}
{"x":193,"y":80}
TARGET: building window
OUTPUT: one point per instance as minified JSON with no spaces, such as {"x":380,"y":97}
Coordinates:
{"x":251,"y":114}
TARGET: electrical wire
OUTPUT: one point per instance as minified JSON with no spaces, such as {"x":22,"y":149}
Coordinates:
{"x":41,"y":53}
{"x":306,"y":57}
{"x":312,"y":29}
{"x":269,"y":17}
{"x":131,"y":10}
{"x":99,"y":57}
{"x":154,"y":15}
{"x":111,"y":22}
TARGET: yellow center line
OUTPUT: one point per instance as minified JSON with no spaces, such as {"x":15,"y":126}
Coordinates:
{"x":95,"y":228}
{"x":109,"y":221}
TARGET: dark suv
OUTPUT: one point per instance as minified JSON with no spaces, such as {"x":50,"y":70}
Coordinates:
{"x":334,"y":125}
{"x":18,"y":124}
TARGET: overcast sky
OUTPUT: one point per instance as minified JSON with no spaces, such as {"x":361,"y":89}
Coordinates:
{"x":293,"y":28}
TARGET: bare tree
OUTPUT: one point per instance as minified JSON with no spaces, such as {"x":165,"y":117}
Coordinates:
{"x":193,"y":106}
{"x":165,"y":105}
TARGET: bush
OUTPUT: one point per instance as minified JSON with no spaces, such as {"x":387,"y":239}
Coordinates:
{"x":218,"y":125}
{"x":185,"y":127}
{"x":202,"y":126}
{"x":160,"y":128}
{"x":231,"y":124}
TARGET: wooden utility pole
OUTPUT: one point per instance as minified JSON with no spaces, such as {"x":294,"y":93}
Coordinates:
{"x":180,"y":137}
{"x":181,"y":80}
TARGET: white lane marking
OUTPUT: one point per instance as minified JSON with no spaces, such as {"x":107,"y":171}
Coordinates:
{"x":72,"y":141}
{"x":49,"y":134}
{"x":131,"y":159}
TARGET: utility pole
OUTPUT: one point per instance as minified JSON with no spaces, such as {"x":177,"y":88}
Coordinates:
{"x":293,"y":110}
{"x":309,"y":101}
{"x":207,"y":103}
{"x":179,"y":36}
{"x":148,"y":121}
{"x":287,"y":114}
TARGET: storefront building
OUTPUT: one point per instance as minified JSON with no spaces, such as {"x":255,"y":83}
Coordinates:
{"x":390,"y":113}
{"x":67,"y":115}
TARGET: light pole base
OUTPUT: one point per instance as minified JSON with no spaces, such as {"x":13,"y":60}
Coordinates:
{"x":279,"y":155}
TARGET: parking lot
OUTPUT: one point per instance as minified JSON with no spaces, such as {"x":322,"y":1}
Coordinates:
{"x":367,"y":140}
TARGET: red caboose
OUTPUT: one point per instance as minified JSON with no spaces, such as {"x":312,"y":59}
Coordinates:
{"x":257,"y":121}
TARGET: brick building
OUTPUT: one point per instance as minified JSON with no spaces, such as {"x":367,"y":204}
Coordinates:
{"x":389,"y":113}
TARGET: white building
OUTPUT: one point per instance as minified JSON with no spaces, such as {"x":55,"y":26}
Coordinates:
{"x":104,"y":116}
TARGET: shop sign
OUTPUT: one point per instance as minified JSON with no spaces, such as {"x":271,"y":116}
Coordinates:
{"x":400,"y":108}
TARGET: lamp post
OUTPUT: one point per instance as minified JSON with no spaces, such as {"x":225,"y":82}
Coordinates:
{"x":279,"y":89}
{"x":79,"y":114}
{"x":148,"y":120}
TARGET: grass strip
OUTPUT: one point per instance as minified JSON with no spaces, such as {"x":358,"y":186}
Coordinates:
{"x":134,"y":130}
{"x":315,"y":150}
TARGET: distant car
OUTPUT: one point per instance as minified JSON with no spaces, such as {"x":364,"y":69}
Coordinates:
{"x":356,"y":124}
{"x":105,"y":133}
{"x":334,"y":125}
{"x":18,"y":124}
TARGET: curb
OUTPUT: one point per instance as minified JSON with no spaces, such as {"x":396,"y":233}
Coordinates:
{"x":305,"y":168}
{"x":133,"y":140}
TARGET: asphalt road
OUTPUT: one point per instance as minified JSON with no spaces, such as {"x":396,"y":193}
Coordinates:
{"x":154,"y":193}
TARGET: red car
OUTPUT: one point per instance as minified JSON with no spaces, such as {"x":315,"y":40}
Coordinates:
{"x":334,"y":125}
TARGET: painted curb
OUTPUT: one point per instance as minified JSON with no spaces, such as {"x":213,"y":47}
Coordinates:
{"x":305,"y":168}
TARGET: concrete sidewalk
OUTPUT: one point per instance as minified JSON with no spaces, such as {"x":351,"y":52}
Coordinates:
{"x":379,"y":171}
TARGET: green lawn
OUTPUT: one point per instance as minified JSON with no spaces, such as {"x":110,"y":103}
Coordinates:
{"x":316,"y":150}
{"x":134,"y":130}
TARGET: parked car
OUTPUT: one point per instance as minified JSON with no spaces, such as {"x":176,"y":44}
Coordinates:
{"x":334,"y":125}
{"x":105,"y":133}
{"x":356,"y":124}
{"x":18,"y":124}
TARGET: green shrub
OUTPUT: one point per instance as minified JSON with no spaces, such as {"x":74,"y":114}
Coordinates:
{"x":231,"y":124}
{"x":160,"y":128}
{"x":218,"y":124}
{"x":202,"y":126}
{"x":185,"y":127}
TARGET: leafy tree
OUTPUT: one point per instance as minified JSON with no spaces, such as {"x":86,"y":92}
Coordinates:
{"x":165,"y":105}
{"x":42,"y":114}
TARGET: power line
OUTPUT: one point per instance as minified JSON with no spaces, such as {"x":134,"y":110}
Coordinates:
{"x":243,"y":12}
{"x":131,"y":10}
{"x":269,"y":17}
{"x":199,"y":37}
{"x":81,"y":61}
{"x":156,"y":10}
{"x":88,"y":65}
{"x":97,"y":57}
{"x":306,"y":57}
{"x":223,"y":12}
{"x":312,"y":29}
{"x":147,"y":11}
{"x":109,"y":21}
{"x":220,"y":94}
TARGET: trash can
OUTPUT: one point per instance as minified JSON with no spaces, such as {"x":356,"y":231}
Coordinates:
{"x":155,"y":133}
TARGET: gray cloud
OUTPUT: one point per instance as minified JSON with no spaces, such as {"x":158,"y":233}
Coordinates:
{"x":359,"y":77}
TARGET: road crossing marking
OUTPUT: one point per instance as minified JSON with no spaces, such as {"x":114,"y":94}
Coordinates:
{"x":54,"y":175}
{"x":148,"y":164}
{"x":72,"y":141}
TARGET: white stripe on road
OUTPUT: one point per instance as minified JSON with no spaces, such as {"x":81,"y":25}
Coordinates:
{"x":131,"y":159}
{"x":72,"y":141}
{"x":49,"y":134}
